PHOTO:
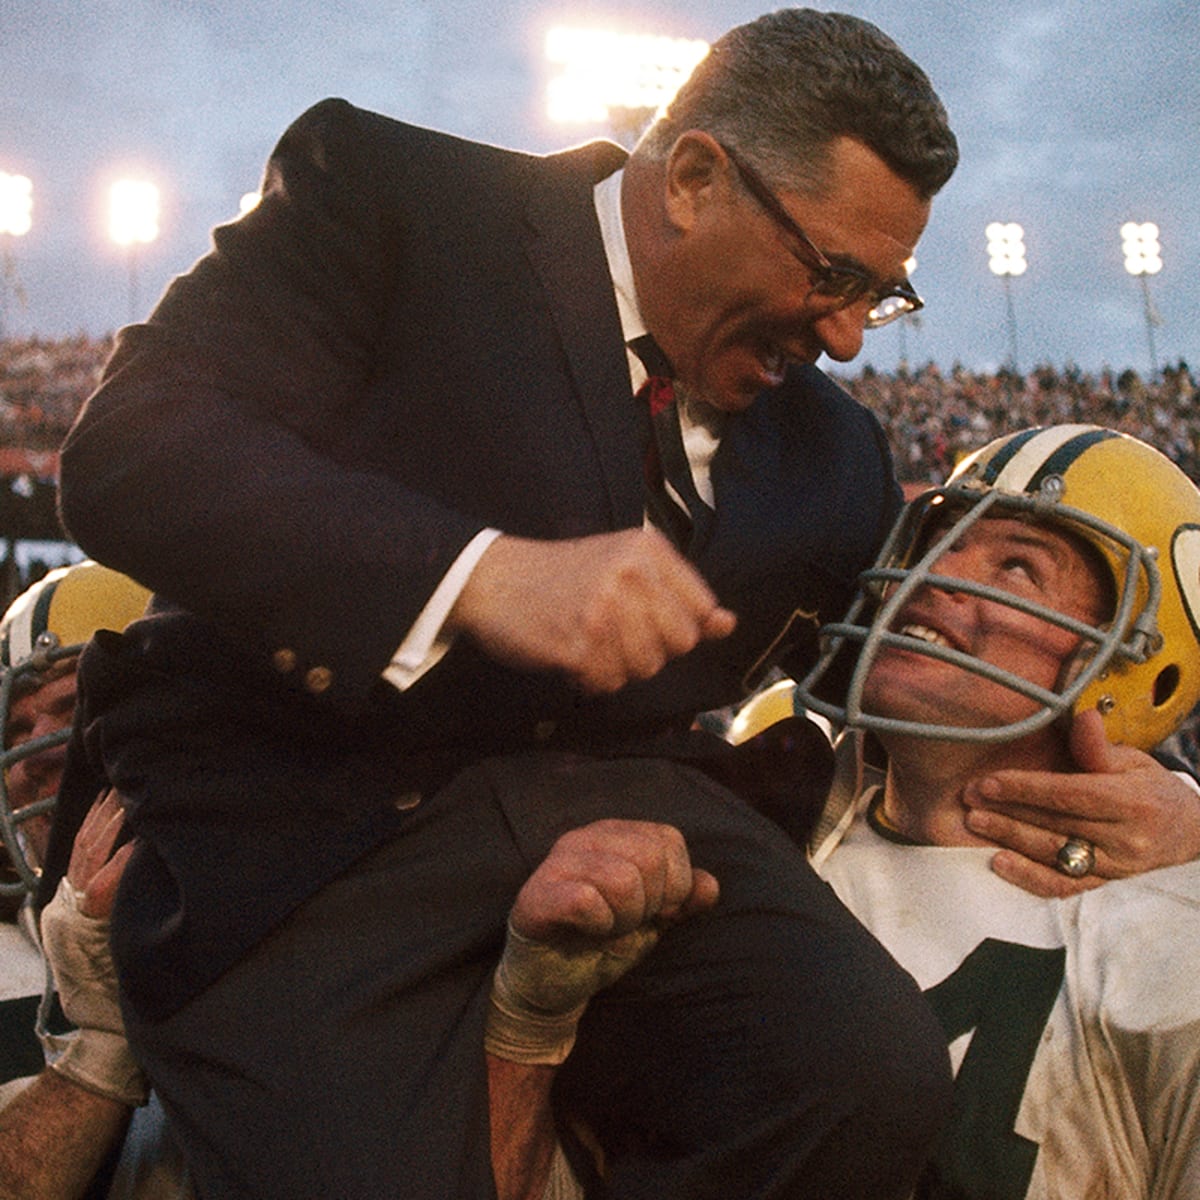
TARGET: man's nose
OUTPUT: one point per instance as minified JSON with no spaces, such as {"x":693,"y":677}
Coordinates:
{"x":840,"y":332}
{"x":957,"y":564}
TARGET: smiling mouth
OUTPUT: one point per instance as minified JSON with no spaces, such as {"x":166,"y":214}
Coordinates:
{"x":775,"y":360}
{"x":772,"y":365}
{"x":924,"y":633}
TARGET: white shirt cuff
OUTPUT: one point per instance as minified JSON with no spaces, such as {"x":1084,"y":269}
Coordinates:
{"x":425,"y":644}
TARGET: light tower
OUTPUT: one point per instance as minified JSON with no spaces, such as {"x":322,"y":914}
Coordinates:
{"x":1143,"y":258}
{"x":133,"y":222}
{"x":621,"y":78}
{"x":1006,"y":258}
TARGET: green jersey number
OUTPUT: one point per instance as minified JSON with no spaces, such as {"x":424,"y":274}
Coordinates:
{"x":1004,"y":992}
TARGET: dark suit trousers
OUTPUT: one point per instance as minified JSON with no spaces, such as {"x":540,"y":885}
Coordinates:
{"x":769,"y":1048}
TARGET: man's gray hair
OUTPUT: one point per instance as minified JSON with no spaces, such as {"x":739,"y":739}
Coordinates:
{"x":783,"y":87}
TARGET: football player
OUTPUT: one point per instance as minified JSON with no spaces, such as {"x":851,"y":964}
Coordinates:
{"x":62,"y":1125}
{"x":1040,"y":609}
{"x":1056,"y":574}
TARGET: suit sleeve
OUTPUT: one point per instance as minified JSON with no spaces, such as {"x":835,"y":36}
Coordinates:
{"x":210,"y":464}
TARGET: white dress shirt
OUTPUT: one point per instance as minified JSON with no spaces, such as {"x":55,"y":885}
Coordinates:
{"x":700,"y":425}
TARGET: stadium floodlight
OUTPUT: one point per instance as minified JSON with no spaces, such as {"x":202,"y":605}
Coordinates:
{"x":1143,"y":255}
{"x":1006,"y":248}
{"x":1143,"y":258}
{"x":133,"y":212}
{"x":16,"y":204}
{"x":621,"y":78}
{"x":1006,"y":259}
{"x":133,"y":222}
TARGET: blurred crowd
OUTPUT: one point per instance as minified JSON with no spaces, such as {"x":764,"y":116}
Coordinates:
{"x":934,"y":417}
{"x":42,"y":385}
{"x":43,"y":382}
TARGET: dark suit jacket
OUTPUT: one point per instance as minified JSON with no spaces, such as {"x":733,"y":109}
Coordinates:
{"x":412,"y":338}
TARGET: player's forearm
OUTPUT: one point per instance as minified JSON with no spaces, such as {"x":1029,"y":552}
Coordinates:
{"x":54,"y":1135}
{"x":523,"y":1134}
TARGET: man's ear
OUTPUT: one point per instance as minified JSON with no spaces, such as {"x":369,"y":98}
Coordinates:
{"x":696,"y":176}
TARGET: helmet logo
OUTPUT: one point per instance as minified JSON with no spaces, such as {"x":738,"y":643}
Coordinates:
{"x":1185,"y":558}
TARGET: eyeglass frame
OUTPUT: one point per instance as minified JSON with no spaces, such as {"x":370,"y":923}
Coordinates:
{"x":836,"y":281}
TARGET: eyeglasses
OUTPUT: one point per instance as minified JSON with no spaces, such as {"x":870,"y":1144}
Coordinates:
{"x":838,"y":281}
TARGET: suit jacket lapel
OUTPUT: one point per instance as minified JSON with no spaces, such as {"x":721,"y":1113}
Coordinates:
{"x":567,"y":253}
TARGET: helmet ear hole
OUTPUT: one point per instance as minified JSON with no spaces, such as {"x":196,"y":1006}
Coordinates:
{"x":1165,"y":685}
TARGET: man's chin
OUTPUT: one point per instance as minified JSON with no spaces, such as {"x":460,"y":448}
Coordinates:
{"x":732,"y":398}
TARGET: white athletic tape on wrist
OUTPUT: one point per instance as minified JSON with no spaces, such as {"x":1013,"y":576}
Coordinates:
{"x":540,"y":991}
{"x":103,"y":1063}
{"x":97,"y":1056}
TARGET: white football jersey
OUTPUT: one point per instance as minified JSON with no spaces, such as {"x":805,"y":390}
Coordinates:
{"x":1073,"y":1025}
{"x":22,"y":981}
{"x":22,"y":968}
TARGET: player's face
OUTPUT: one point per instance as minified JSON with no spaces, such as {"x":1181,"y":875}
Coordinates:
{"x":745,"y":308}
{"x":47,"y":708}
{"x":1033,"y":562}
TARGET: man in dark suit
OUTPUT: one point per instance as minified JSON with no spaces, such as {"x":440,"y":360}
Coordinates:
{"x":379,"y":456}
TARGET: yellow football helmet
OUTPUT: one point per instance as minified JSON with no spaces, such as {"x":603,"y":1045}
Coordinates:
{"x":1140,"y":670}
{"x":47,"y":624}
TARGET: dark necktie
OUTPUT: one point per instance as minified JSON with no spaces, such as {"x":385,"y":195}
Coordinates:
{"x":666,"y":459}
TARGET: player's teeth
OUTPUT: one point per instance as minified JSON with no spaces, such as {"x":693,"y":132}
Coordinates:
{"x":925,"y":634}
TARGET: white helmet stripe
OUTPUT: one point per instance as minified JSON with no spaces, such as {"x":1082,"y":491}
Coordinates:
{"x":27,"y":618}
{"x":1185,"y":559}
{"x":19,"y":633}
{"x":1017,"y":473}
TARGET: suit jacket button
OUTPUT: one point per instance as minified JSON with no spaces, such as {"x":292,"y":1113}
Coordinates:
{"x":543,"y":731}
{"x":284,"y":660}
{"x":317,"y":680}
